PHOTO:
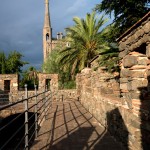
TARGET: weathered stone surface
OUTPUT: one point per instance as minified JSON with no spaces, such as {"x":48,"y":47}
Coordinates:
{"x":115,"y":86}
{"x":135,"y":95}
{"x":148,"y":51}
{"x":142,"y":61}
{"x":135,"y":124}
{"x":122,"y":46}
{"x":146,"y":27}
{"x":139,"y":55}
{"x":138,"y":73}
{"x":123,"y":53}
{"x":125,"y":73}
{"x":121,"y":116}
{"x":123,"y":80}
{"x":124,"y":86}
{"x":136,"y":84}
{"x":129,"y":61}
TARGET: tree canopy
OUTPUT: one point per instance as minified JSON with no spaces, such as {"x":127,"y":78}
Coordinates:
{"x":126,"y":13}
{"x":86,"y":42}
{"x":12,"y":63}
{"x":29,"y":77}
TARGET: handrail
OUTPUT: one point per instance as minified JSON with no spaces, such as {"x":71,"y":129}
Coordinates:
{"x":40,"y":106}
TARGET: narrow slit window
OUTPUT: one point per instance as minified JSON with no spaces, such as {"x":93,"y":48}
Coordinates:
{"x":47,"y":36}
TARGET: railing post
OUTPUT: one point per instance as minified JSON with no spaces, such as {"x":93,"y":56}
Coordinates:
{"x":45,"y":102}
{"x":26,"y":119}
{"x":36,"y":120}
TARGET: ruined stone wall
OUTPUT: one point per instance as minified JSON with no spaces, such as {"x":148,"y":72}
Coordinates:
{"x":66,"y":95}
{"x":135,"y":76}
{"x":126,"y":117}
{"x":99,"y":94}
{"x":135,"y":65}
{"x":15,"y":94}
{"x":98,"y":81}
{"x":13,"y":81}
{"x":19,"y":95}
{"x":53,"y":81}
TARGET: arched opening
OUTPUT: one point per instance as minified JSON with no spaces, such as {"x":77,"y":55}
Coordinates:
{"x":47,"y":36}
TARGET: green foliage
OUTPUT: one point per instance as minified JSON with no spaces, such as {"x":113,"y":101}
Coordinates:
{"x":109,"y":58}
{"x":67,"y":85}
{"x":2,"y":63}
{"x":85,"y":43}
{"x":126,"y":13}
{"x":29,"y":77}
{"x":52,"y":65}
{"x":12,"y":63}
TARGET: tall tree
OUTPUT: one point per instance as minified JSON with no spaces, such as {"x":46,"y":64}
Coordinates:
{"x":85,"y":43}
{"x":52,"y":65}
{"x":29,"y":77}
{"x":2,"y":63}
{"x":33,"y":75}
{"x":14,"y":62}
{"x":126,"y":13}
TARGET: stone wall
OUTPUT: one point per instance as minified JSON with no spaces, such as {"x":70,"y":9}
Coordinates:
{"x":135,"y":64}
{"x":13,"y":81}
{"x":66,"y":95}
{"x":123,"y":106}
{"x":102,"y":82}
{"x":53,"y":81}
{"x":101,"y":100}
{"x":134,"y":48}
{"x":15,"y":94}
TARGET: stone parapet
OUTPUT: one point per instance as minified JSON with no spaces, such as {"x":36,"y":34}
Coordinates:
{"x":99,"y":93}
{"x":66,"y":95}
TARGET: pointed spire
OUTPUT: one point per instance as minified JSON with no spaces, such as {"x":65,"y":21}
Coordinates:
{"x":47,"y":16}
{"x":47,"y":32}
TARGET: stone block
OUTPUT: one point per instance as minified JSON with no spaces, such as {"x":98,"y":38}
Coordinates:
{"x":122,"y":46}
{"x":124,"y":86}
{"x":146,"y":27}
{"x":136,"y":124}
{"x":142,"y":61}
{"x":123,"y":80}
{"x":123,"y":53}
{"x":138,"y":73}
{"x":148,"y":51}
{"x":138,"y":84}
{"x":129,"y":61}
{"x":115,"y":86}
{"x":129,"y":86}
{"x":135,"y":95}
{"x":125,"y":73}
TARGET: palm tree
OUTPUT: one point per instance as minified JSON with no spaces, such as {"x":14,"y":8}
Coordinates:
{"x":85,"y":43}
{"x":33,"y":75}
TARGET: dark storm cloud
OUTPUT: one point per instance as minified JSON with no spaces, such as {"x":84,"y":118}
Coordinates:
{"x":21,"y":24}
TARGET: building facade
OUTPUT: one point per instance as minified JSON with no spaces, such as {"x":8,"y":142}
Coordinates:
{"x":48,"y":43}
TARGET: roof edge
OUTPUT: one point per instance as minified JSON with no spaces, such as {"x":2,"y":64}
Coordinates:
{"x":134,"y":26}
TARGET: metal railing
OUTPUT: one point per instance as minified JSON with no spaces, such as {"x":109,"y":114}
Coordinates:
{"x":38,"y":105}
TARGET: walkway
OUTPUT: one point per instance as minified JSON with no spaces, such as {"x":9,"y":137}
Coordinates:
{"x":69,"y":126}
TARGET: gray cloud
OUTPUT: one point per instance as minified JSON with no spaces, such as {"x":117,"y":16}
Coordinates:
{"x":22,"y":21}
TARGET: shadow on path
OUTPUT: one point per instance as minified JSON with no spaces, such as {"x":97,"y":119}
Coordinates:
{"x":74,"y":128}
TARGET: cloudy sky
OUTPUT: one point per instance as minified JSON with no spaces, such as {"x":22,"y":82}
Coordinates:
{"x":21,"y":24}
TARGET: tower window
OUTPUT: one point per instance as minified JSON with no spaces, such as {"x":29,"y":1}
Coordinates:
{"x":68,"y":44}
{"x":47,"y":36}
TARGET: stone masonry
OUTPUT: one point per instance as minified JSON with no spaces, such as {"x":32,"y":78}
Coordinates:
{"x":13,"y":78}
{"x":15,"y":94}
{"x":123,"y":105}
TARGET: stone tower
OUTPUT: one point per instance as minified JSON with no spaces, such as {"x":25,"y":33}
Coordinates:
{"x":47,"y":32}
